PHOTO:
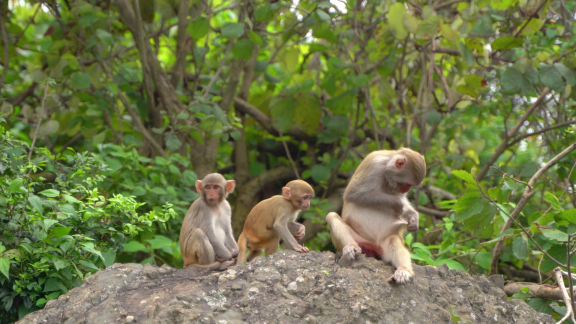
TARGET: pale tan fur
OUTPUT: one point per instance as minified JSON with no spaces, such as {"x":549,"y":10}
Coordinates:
{"x":376,"y":213}
{"x":206,"y":239}
{"x":275,"y":218}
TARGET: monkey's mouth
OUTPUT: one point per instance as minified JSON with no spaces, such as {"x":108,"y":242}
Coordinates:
{"x":404,"y":187}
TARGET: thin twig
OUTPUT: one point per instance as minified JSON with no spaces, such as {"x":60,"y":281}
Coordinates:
{"x":531,"y":16}
{"x":218,"y":71}
{"x":289,"y":156}
{"x":39,"y":121}
{"x":5,"y":45}
{"x":570,"y":284}
{"x":567,"y":300}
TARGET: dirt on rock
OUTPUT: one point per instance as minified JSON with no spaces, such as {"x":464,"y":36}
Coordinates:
{"x":286,"y":287}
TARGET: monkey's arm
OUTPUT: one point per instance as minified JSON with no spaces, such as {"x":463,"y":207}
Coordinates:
{"x":375,"y":198}
{"x":298,"y":230}
{"x":219,"y":248}
{"x":230,"y":242}
{"x":410,"y":215}
{"x":281,"y":227}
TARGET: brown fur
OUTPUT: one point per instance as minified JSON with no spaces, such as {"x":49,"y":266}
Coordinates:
{"x":274,"y":218}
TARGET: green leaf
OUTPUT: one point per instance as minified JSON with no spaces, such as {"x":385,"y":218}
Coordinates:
{"x":159,"y":242}
{"x":50,"y":193}
{"x":411,"y":23}
{"x":320,"y":172}
{"x":255,"y":38}
{"x":87,"y":246}
{"x":555,"y":235}
{"x":569,"y":215}
{"x":243,"y":49}
{"x":323,"y":15}
{"x":520,"y":247}
{"x":507,"y":42}
{"x":189,"y":177}
{"x":307,"y":113}
{"x":80,"y":81}
{"x":566,"y":73}
{"x":105,"y":37}
{"x":89,"y":265}
{"x":428,"y":28}
{"x":138,"y":191}
{"x":469,"y":204}
{"x":452,"y":264}
{"x":198,"y":27}
{"x":464,"y":175}
{"x":447,"y":32}
{"x":540,"y":305}
{"x":15,"y":185}
{"x":134,"y":246}
{"x":484,"y":259}
{"x":282,"y":113}
{"x":289,"y":59}
{"x":60,"y":231}
{"x":263,"y":13}
{"x":158,"y":191}
{"x":555,"y":204}
{"x":36,"y":202}
{"x":109,"y":257}
{"x":232,"y":30}
{"x":51,"y":284}
{"x":172,"y":142}
{"x":396,"y":20}
{"x":550,"y":76}
{"x":59,"y":264}
{"x":514,"y":81}
{"x":5,"y":267}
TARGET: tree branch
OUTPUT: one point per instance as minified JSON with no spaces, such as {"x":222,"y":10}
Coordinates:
{"x":536,"y":290}
{"x":528,"y":193}
{"x":505,"y":144}
{"x":5,"y":45}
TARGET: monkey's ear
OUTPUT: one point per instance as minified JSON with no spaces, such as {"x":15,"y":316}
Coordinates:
{"x":199,"y":186}
{"x":230,"y":185}
{"x":286,"y":192}
{"x":400,"y":163}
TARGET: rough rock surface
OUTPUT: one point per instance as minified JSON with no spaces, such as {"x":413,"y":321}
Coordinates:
{"x":286,"y":287}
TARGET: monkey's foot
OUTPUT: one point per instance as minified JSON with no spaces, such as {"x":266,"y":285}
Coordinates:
{"x":400,"y":276}
{"x":301,"y":249}
{"x":350,"y":251}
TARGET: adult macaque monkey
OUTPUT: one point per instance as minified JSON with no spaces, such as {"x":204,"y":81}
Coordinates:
{"x":206,"y":239}
{"x":376,"y":212}
{"x":275,"y":218}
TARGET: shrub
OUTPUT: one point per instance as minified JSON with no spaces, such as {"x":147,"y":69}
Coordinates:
{"x":53,"y":234}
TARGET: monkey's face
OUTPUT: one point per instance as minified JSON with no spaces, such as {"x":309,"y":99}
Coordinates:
{"x":304,"y":201}
{"x":213,"y":193}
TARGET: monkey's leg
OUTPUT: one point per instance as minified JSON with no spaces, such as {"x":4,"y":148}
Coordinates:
{"x":342,"y":238}
{"x":394,"y":251}
{"x":254,"y":253}
{"x":203,"y":253}
{"x":272,"y":247}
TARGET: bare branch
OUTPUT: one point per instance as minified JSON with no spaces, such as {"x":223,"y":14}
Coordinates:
{"x":39,"y":121}
{"x":565,"y":297}
{"x":449,"y":3}
{"x":5,"y":45}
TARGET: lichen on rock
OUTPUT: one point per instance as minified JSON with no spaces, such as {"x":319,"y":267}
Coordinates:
{"x":286,"y":287}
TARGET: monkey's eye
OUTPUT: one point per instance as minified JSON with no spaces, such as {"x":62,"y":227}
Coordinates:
{"x":216,"y":187}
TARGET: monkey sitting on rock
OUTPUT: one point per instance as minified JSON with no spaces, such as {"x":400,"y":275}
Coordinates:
{"x":376,"y":212}
{"x":275,"y":218}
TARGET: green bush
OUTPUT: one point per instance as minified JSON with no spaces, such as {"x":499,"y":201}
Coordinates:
{"x":55,"y":234}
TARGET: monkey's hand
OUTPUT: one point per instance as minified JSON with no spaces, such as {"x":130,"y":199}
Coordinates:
{"x":301,"y":232}
{"x":413,"y":218}
{"x":221,"y":258}
{"x":235,"y":252}
{"x":301,"y":249}
{"x":350,"y":251}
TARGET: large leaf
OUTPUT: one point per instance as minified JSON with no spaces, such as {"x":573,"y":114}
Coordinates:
{"x":198,"y":27}
{"x":15,"y":185}
{"x":159,"y":242}
{"x":507,"y":42}
{"x":514,"y":81}
{"x":468,"y":205}
{"x":556,"y":76}
{"x":80,"y":81}
{"x":263,"y":13}
{"x":5,"y":267}
{"x":320,"y":172}
{"x":484,"y":259}
{"x":282,"y":113}
{"x":307,"y":113}
{"x":49,"y":193}
{"x":232,"y":30}
{"x":555,"y":235}
{"x":428,"y":28}
{"x":243,"y":49}
{"x":520,"y":247}
{"x":396,"y":20}
{"x":36,"y":202}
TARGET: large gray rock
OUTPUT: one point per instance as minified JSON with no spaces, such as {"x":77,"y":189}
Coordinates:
{"x":286,"y":287}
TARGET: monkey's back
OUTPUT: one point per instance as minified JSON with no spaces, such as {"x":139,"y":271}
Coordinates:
{"x":259,"y":224}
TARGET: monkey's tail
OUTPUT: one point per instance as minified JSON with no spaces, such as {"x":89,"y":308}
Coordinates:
{"x":242,"y":242}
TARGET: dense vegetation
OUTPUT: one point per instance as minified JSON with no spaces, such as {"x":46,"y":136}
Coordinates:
{"x":112,"y":109}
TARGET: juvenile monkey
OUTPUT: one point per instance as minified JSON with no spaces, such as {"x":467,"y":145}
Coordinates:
{"x":376,"y":212}
{"x":206,"y":239}
{"x":275,"y":218}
